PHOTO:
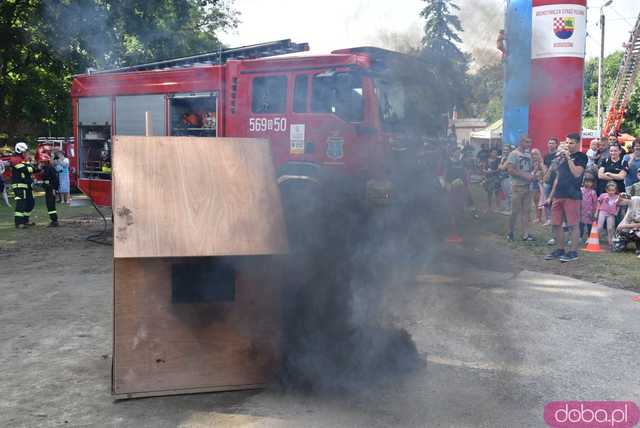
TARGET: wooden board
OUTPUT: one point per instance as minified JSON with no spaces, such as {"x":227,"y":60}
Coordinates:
{"x":165,"y":348}
{"x":186,"y":197}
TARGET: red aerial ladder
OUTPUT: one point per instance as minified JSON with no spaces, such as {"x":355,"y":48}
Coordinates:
{"x":625,"y":83}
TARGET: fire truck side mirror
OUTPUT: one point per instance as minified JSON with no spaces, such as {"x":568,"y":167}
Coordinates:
{"x":328,"y":73}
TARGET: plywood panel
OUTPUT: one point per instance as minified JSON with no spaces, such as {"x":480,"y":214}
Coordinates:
{"x":161,"y":348}
{"x":185,"y":197}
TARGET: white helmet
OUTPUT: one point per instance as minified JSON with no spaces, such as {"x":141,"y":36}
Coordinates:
{"x":21,"y":147}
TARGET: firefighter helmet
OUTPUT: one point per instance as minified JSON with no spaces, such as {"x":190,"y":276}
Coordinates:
{"x":21,"y":147}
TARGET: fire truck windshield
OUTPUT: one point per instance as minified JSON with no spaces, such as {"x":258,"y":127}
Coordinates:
{"x":340,"y":94}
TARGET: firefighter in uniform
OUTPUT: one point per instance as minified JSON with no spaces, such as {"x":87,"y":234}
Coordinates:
{"x":50,"y":183}
{"x":21,"y":183}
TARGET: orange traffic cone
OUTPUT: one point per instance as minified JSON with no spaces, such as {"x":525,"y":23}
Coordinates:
{"x":593,"y":243}
{"x":454,"y":239}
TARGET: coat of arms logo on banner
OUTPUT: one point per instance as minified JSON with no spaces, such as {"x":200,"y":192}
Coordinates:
{"x":564,"y":27}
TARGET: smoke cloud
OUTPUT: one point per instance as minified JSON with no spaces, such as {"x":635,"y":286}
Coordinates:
{"x":337,"y":330}
{"x":481,"y":20}
{"x":348,"y":260}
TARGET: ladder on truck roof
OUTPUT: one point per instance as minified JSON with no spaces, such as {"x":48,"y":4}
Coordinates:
{"x":261,"y":50}
{"x":625,"y":83}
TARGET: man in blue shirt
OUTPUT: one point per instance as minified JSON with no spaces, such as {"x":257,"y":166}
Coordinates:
{"x":631,"y":164}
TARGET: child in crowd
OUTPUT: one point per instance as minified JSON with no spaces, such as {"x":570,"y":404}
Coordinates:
{"x":608,"y":209}
{"x":588,"y":209}
{"x":537,"y":190}
{"x":591,"y":155}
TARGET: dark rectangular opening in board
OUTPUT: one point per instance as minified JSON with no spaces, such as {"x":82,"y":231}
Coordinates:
{"x":202,"y":282}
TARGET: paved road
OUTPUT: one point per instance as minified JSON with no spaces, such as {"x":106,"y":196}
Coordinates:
{"x":498,"y":346}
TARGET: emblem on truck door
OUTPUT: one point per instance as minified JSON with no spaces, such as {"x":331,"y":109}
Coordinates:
{"x":335,"y":148}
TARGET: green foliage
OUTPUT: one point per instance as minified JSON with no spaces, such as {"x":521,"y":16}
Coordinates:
{"x":494,"y":111}
{"x":612,"y":64}
{"x":153,"y":30}
{"x":631,"y":122}
{"x":29,"y":71}
{"x":485,"y":92}
{"x":46,"y":42}
{"x":590,"y":122}
{"x":611,"y":67}
{"x":441,"y":52}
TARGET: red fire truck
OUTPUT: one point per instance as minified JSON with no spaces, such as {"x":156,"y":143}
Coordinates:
{"x":327,"y":116}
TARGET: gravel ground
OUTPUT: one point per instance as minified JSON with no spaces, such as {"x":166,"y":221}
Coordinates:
{"x":499,"y":342}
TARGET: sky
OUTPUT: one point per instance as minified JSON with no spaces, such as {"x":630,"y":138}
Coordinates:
{"x":333,"y":24}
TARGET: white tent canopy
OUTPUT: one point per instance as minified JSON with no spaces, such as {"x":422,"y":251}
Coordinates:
{"x":491,"y":132}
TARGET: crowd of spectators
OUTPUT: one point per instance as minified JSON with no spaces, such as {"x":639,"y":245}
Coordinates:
{"x":567,"y":190}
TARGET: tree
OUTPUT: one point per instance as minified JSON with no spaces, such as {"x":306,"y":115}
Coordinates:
{"x":45,"y":43}
{"x":477,"y":91}
{"x":485,"y":91}
{"x":30,"y":74}
{"x":440,"y":50}
{"x":145,"y":30}
{"x":631,"y":123}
